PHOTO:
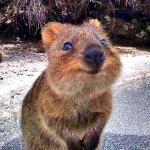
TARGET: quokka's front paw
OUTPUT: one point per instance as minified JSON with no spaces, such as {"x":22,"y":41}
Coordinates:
{"x":76,"y":145}
{"x":90,"y":142}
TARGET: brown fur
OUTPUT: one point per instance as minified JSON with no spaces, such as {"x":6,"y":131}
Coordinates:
{"x":67,"y":107}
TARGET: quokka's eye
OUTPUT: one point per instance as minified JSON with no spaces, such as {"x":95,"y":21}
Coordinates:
{"x":67,"y":46}
{"x":103,"y":42}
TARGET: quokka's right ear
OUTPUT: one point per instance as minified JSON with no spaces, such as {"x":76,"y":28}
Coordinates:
{"x":49,"y":33}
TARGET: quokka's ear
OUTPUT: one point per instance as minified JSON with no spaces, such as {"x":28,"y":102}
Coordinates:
{"x":49,"y":33}
{"x":93,"y":22}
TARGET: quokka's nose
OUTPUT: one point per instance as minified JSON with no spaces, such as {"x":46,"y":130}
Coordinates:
{"x":94,"y":56}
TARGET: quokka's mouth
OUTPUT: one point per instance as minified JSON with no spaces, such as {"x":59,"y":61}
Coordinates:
{"x":91,"y":69}
{"x":95,"y":71}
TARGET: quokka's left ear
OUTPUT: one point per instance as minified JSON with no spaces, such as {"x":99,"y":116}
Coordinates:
{"x":49,"y":33}
{"x":93,"y":22}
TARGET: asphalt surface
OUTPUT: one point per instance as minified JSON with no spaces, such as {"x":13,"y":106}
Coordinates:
{"x":129,"y":126}
{"x":126,"y":142}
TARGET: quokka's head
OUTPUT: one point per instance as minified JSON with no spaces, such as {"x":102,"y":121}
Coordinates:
{"x":81,"y":58}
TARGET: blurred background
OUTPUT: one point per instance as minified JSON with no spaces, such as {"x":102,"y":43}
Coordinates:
{"x":126,"y":21}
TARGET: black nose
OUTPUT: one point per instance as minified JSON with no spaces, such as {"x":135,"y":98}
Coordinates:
{"x":94,"y":56}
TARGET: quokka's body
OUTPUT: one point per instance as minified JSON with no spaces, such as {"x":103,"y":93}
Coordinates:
{"x":70,"y":103}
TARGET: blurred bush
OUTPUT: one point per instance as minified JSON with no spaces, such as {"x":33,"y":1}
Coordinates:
{"x":126,"y":21}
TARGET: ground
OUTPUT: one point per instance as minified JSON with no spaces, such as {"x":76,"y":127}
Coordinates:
{"x":128,"y":128}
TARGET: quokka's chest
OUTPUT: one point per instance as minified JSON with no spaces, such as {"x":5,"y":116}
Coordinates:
{"x":82,"y":121}
{"x":79,"y":126}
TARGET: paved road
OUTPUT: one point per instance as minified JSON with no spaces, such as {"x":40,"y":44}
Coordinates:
{"x":129,"y":126}
{"x":126,"y":142}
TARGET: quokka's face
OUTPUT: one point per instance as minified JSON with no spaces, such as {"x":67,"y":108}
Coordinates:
{"x":80,"y":57}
